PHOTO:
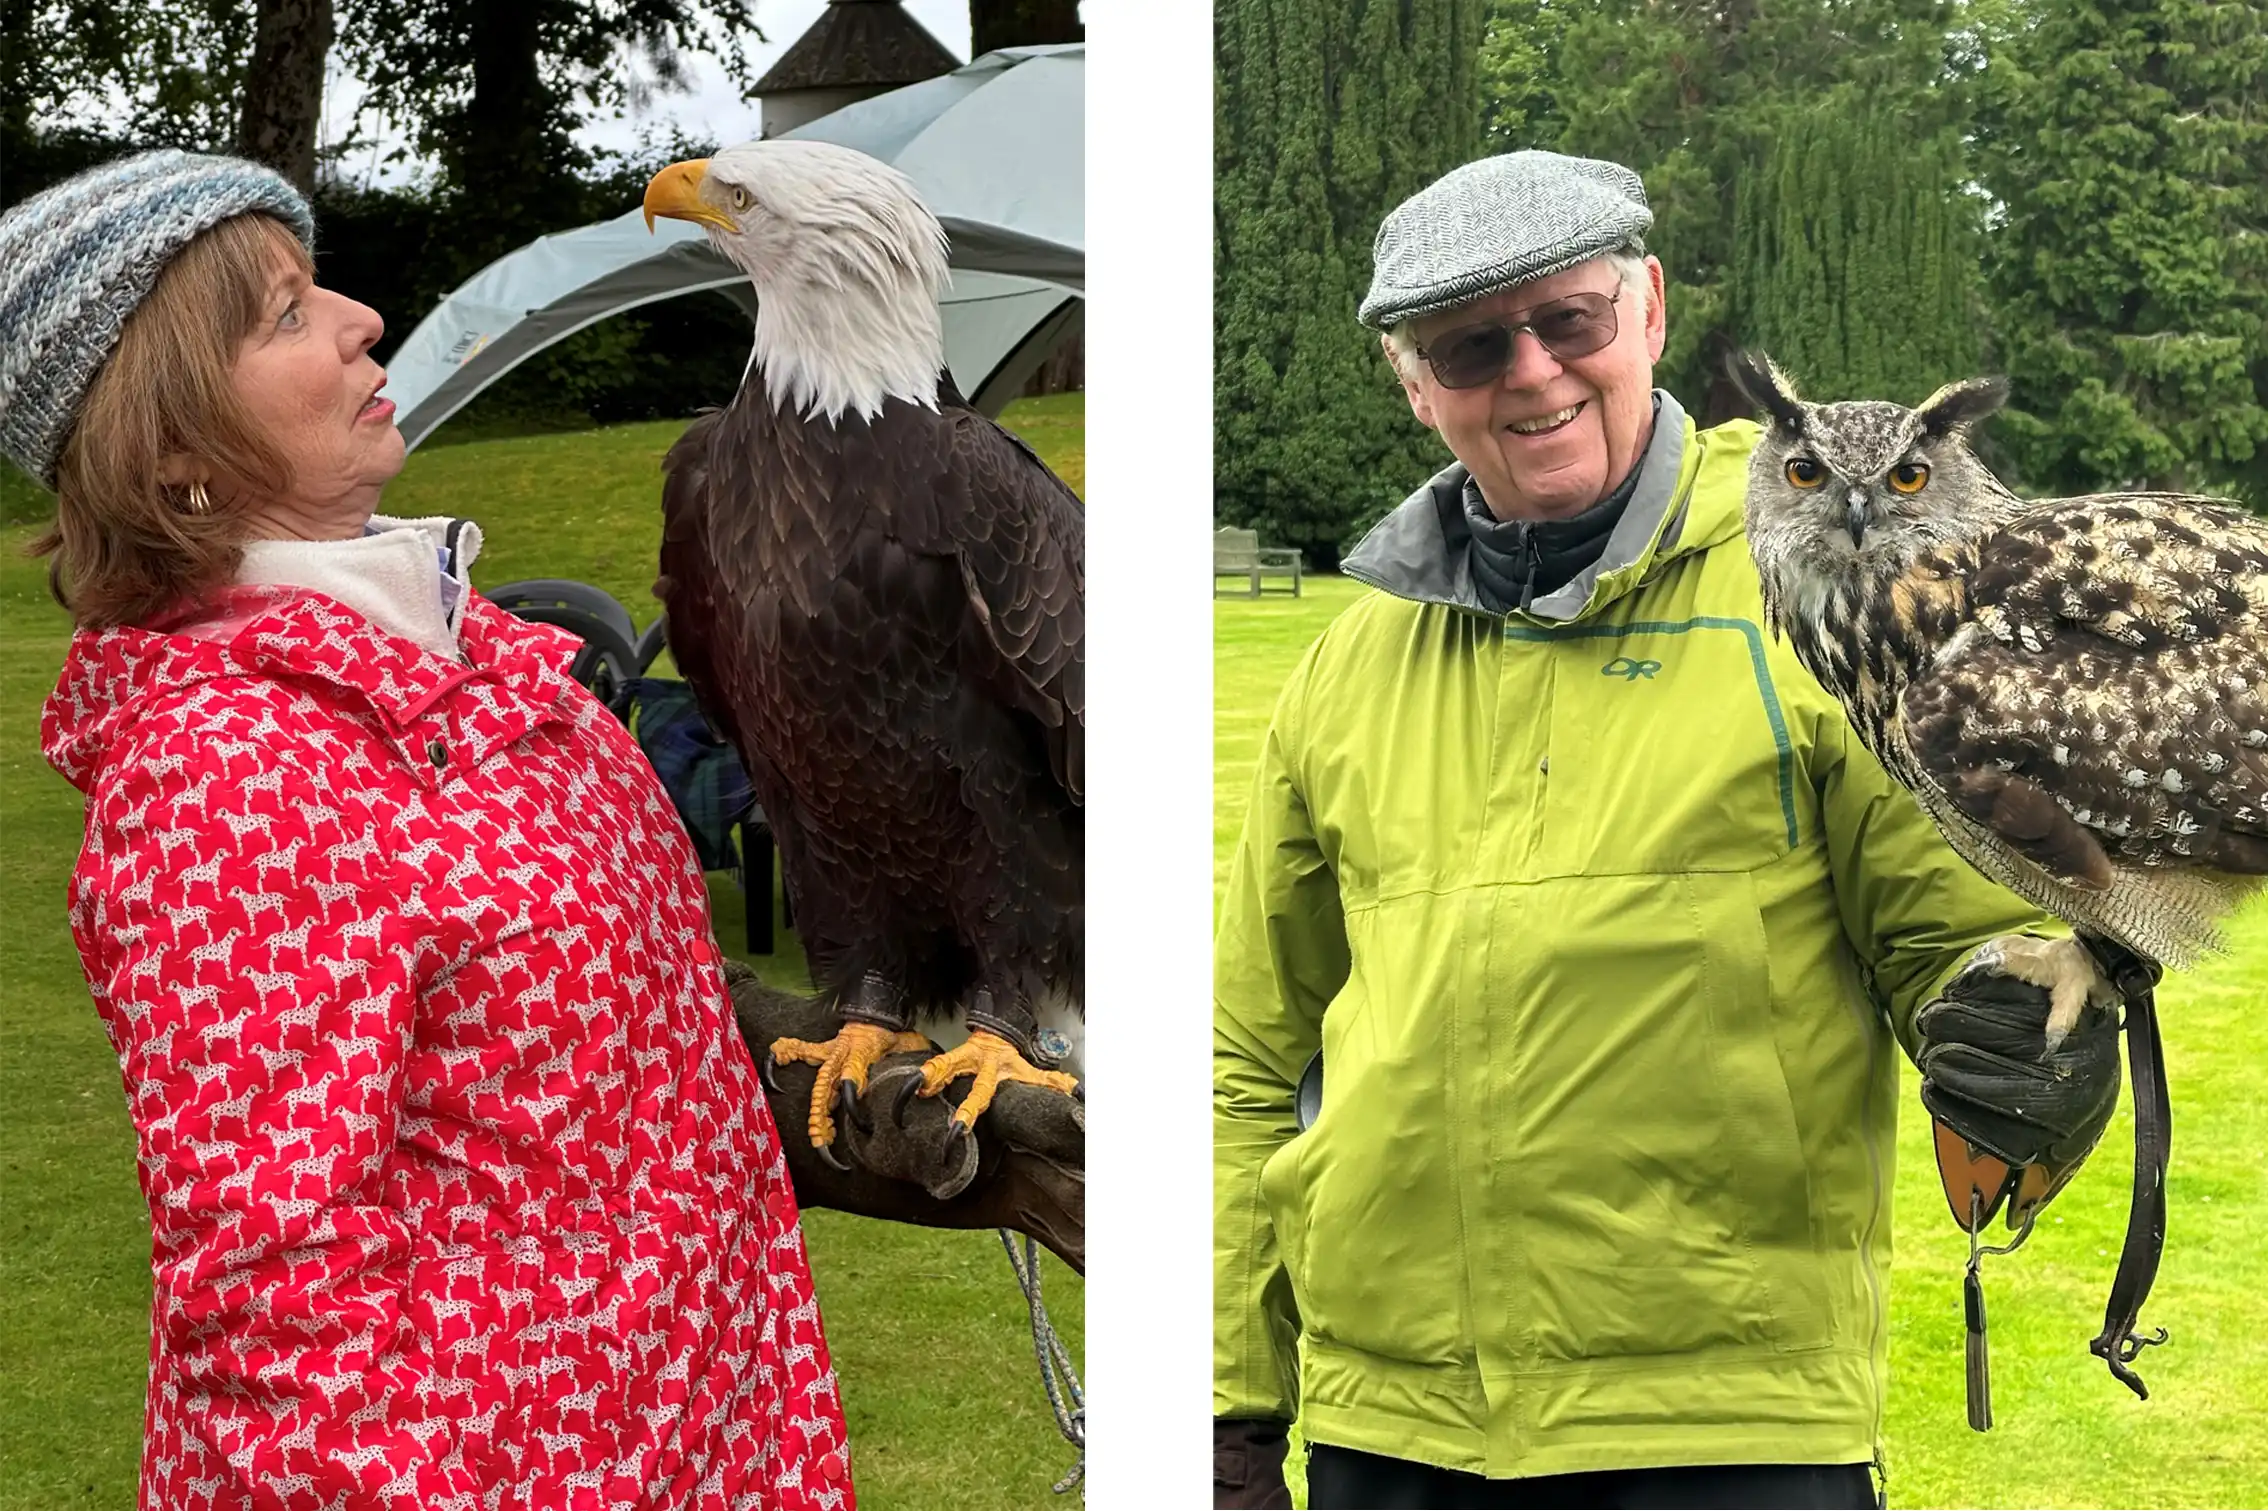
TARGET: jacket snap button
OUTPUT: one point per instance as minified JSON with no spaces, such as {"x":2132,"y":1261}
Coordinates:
{"x":437,"y":753}
{"x":1544,"y":765}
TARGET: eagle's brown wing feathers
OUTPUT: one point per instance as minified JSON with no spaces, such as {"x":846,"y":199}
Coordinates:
{"x":1025,"y":572}
{"x":2110,"y":703}
{"x":711,"y":661}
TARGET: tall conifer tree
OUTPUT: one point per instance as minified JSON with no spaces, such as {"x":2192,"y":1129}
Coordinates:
{"x":2128,"y":144}
{"x":1854,"y":258}
{"x":1327,"y":114}
{"x":1692,"y":97}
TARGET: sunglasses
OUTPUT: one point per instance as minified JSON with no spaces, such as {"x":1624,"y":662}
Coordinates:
{"x":1472,"y":355}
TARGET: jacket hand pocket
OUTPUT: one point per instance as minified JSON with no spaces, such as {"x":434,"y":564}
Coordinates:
{"x":1654,"y":1186}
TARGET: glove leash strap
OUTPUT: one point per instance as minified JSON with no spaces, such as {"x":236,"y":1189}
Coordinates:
{"x":2153,"y":1143}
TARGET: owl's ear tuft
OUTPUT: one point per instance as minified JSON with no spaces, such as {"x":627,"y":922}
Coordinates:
{"x":1766,"y":387}
{"x":1956,"y":407}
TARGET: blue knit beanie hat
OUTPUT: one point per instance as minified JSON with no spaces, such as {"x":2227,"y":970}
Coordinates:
{"x":78,"y":259}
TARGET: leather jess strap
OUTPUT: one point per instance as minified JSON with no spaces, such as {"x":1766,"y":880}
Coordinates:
{"x":2137,"y":980}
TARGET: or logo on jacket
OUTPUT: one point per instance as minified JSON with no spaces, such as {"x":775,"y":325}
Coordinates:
{"x":1629,"y":669}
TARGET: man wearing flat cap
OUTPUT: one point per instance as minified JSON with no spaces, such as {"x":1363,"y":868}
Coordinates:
{"x":1606,"y":928}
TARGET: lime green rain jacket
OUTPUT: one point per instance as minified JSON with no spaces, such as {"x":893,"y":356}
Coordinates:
{"x":1604,"y":922}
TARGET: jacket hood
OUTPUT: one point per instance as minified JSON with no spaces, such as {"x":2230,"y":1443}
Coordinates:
{"x":409,"y":577}
{"x":1422,"y":551}
{"x":111,"y":676}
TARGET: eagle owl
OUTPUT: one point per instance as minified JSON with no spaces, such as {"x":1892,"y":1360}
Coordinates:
{"x":2075,"y":689}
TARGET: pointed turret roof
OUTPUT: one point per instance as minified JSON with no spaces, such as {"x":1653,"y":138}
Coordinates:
{"x":857,"y":44}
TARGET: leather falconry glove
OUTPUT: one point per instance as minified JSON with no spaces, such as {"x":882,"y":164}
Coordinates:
{"x":1248,"y":1464}
{"x":2033,"y":1115}
{"x":2014,"y":1120}
{"x":1028,"y":1173}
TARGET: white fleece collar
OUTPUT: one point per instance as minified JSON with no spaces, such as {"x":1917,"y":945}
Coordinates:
{"x":399,"y":576}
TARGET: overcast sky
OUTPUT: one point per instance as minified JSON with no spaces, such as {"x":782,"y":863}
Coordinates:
{"x":711,"y":111}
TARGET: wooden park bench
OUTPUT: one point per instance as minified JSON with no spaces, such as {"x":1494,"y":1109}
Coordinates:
{"x":1238,"y":553}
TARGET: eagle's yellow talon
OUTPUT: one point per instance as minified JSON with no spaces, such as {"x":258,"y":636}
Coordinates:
{"x":991,"y":1060}
{"x":845,"y":1059}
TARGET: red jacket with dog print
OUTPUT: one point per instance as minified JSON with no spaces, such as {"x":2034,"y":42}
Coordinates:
{"x":462,"y":1190}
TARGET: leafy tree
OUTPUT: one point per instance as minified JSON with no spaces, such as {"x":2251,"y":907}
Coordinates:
{"x":1854,"y":258}
{"x":1327,"y":113}
{"x":2126,"y":144}
{"x":178,"y":68}
{"x":1519,"y":75}
{"x":27,"y":76}
{"x":493,"y":89}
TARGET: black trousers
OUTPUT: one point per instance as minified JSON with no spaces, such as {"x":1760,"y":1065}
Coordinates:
{"x":1342,"y":1479}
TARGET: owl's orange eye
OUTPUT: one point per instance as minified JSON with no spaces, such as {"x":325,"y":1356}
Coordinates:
{"x":1805,"y":472}
{"x":1909,"y":477}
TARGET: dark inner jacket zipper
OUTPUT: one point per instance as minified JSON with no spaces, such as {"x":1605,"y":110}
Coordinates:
{"x":1517,"y":561}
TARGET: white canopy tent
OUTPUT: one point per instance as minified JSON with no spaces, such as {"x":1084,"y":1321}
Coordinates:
{"x":997,"y":149}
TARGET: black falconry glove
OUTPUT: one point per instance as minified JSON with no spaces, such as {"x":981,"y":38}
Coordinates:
{"x":1989,"y":1078}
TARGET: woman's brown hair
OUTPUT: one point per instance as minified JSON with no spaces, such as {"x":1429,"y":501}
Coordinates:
{"x":127,"y":543}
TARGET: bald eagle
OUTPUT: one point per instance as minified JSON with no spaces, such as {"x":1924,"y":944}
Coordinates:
{"x":878,"y":596}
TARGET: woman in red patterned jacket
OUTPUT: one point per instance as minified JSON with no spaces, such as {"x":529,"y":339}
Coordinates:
{"x":462,"y":1190}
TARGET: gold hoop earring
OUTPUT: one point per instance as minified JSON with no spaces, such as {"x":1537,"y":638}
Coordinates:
{"x":200,"y":502}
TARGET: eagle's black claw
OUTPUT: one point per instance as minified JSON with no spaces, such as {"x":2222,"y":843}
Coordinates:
{"x":767,"y":1071}
{"x":1079,"y":1092}
{"x":955,"y":1165}
{"x":904,"y":1097}
{"x":847,"y":1109}
{"x":827,"y":1153}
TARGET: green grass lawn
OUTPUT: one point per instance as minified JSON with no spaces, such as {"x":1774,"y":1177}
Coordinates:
{"x":2068,"y":1435}
{"x":928,"y":1331}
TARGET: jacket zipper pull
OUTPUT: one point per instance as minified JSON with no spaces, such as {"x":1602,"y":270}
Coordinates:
{"x":1530,"y":558}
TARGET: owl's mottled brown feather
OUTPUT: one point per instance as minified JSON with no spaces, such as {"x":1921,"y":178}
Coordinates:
{"x":2079,"y":697}
{"x":2121,"y":670}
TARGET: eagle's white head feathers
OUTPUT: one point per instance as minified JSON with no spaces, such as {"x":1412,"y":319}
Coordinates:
{"x":847,"y":262}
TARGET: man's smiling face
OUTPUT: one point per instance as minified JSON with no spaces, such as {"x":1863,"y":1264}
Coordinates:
{"x":1552,"y":436}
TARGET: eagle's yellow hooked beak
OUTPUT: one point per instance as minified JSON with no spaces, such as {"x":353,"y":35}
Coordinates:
{"x":676,"y":193}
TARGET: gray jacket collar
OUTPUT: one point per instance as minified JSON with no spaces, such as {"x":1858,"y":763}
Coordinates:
{"x":1423,"y":549}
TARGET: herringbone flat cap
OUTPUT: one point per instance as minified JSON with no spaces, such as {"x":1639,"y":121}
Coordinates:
{"x":1498,"y":222}
{"x":78,"y":259}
